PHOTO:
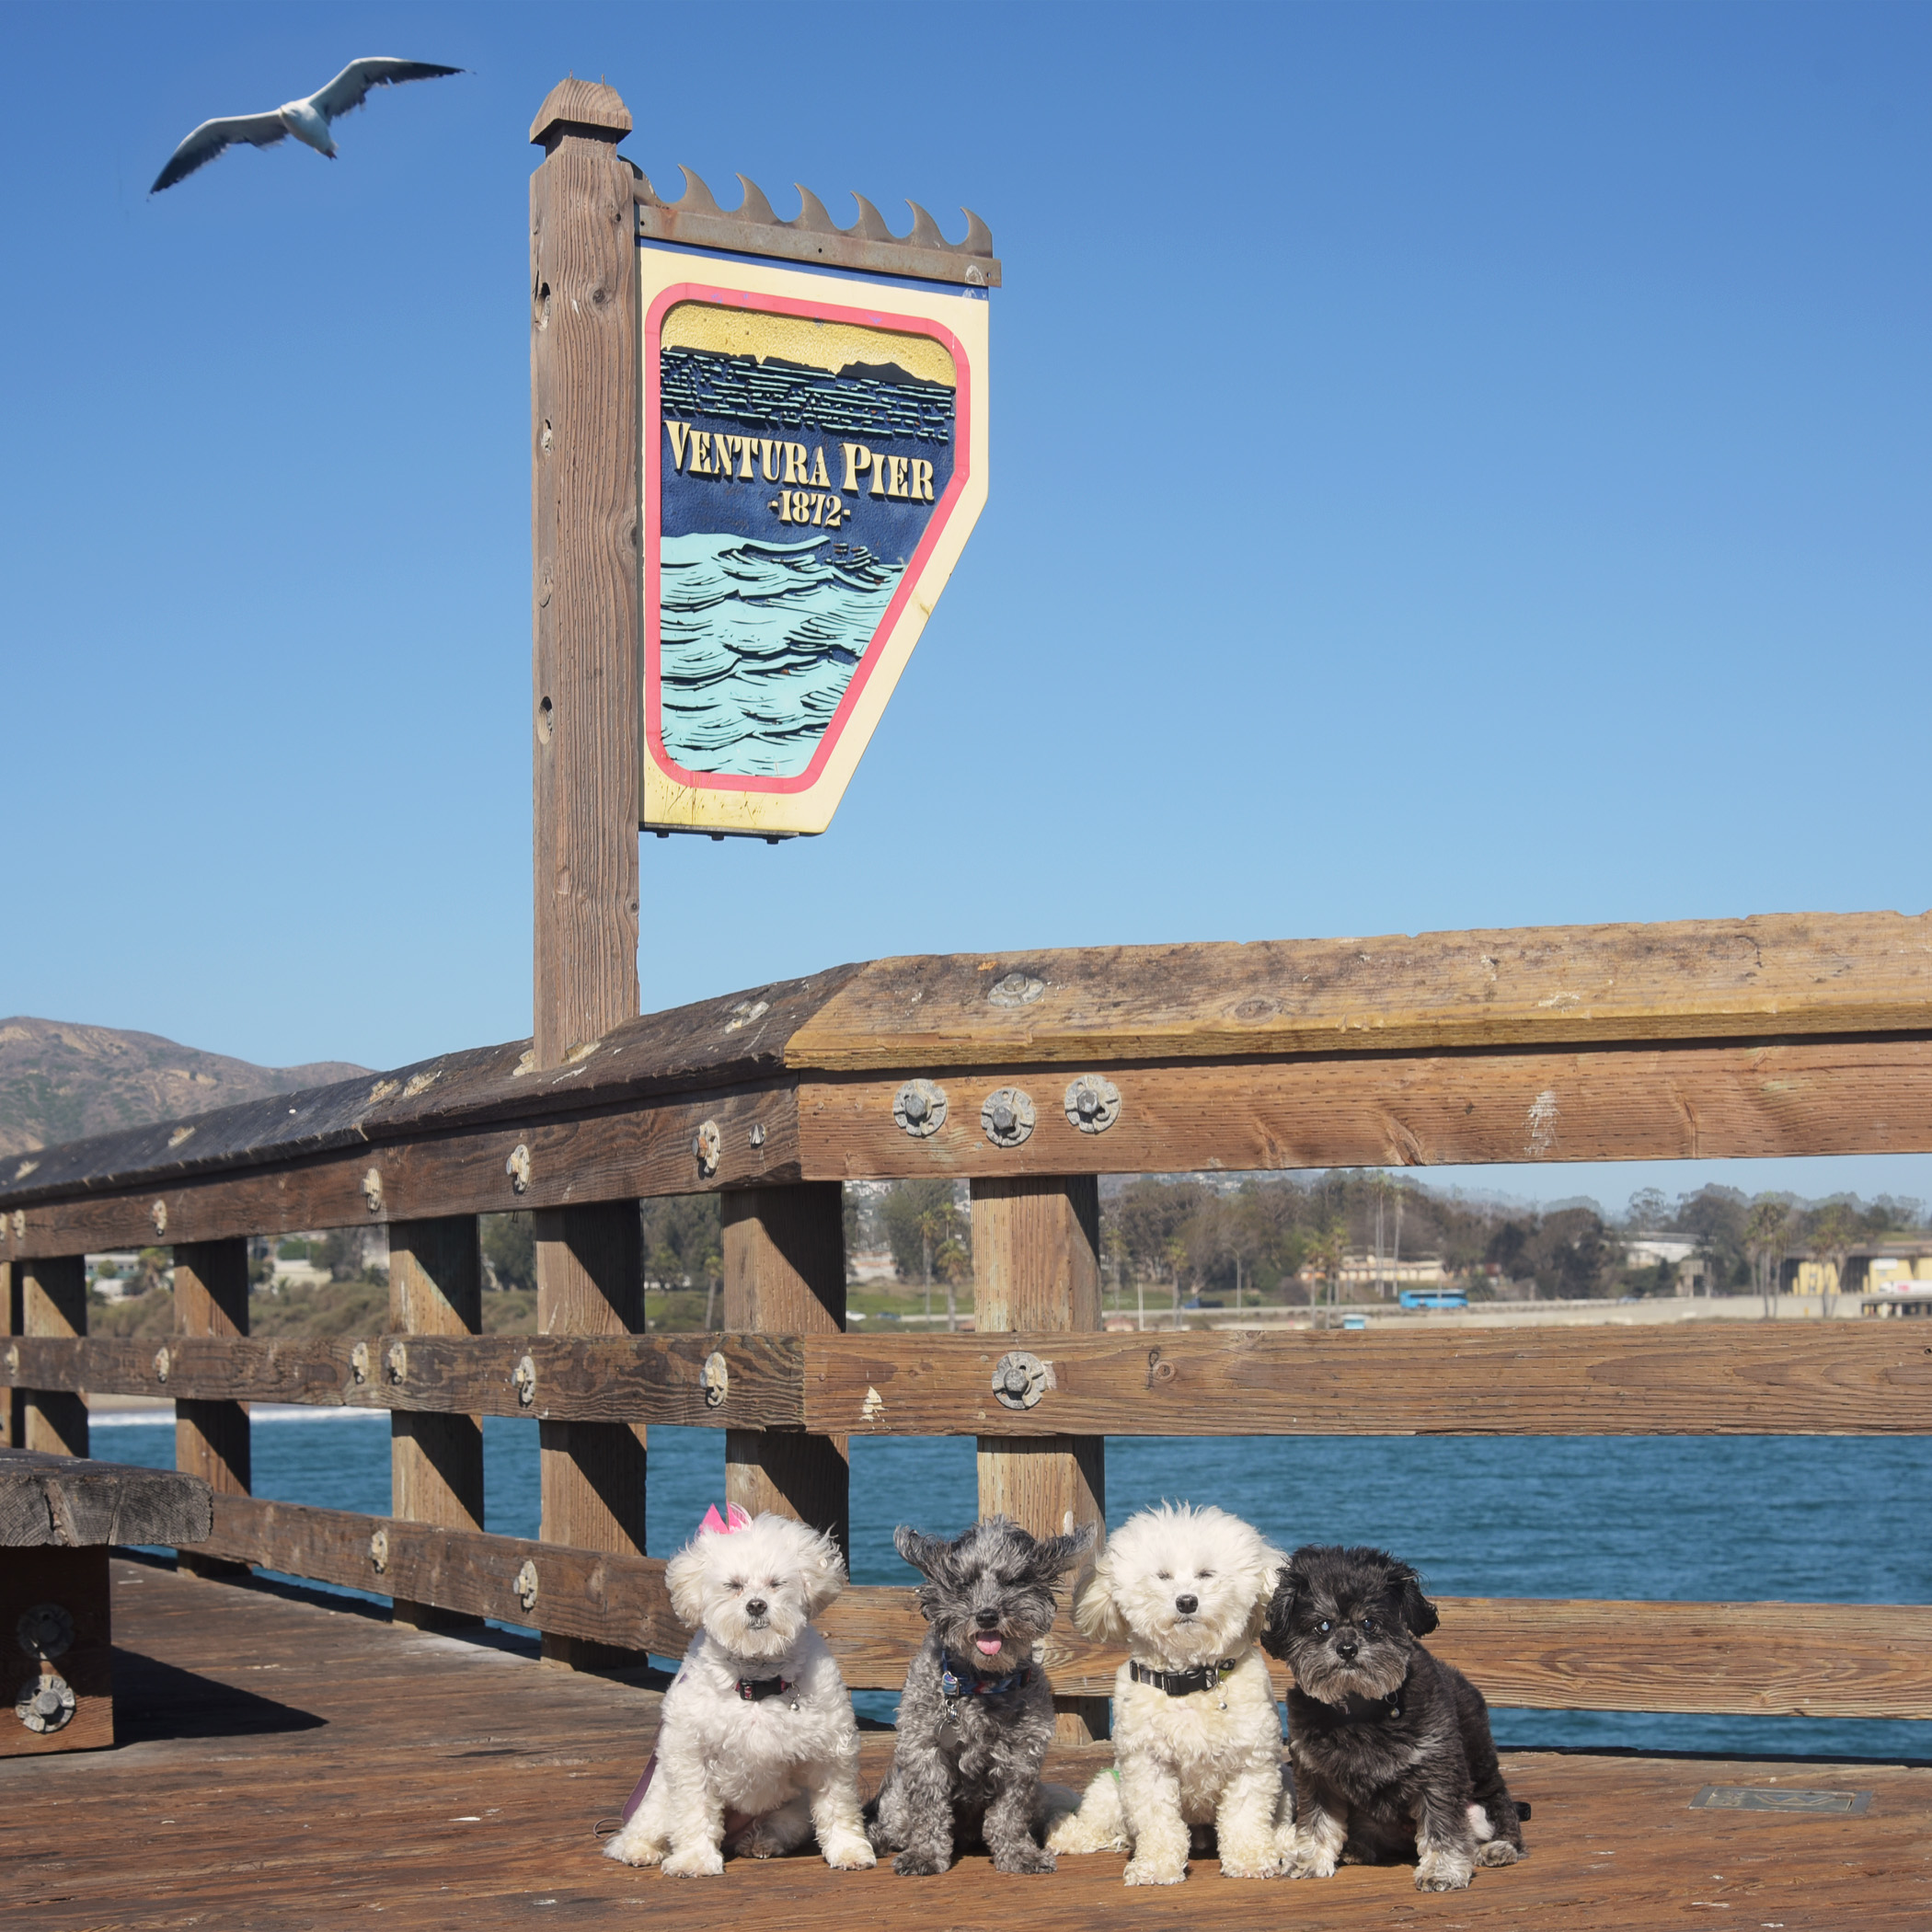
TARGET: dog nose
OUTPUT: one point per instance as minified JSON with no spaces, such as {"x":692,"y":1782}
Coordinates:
{"x":1347,"y":1648}
{"x":755,"y":1606}
{"x":985,"y":1619}
{"x":1187,"y":1605}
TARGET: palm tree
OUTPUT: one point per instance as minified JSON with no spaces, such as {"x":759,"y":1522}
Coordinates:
{"x":1764,"y":1237}
{"x":1832,"y":1233}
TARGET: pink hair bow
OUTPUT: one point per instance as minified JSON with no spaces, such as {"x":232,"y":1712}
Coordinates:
{"x":734,"y":1519}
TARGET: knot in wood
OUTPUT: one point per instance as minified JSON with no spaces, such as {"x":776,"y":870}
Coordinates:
{"x":1159,"y":1370}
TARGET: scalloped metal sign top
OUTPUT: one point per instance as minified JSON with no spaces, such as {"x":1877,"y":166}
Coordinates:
{"x":814,"y":457}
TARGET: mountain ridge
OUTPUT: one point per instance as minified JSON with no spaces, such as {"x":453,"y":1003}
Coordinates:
{"x":63,"y":1080}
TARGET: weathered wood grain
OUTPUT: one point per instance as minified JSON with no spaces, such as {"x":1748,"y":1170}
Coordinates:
{"x":71,"y":1502}
{"x":75,"y":1581}
{"x":1036,"y":1252}
{"x":1721,"y":1378}
{"x":435,"y":1461}
{"x":211,"y":1439}
{"x":636,"y":1378}
{"x":1843,"y":1660}
{"x":53,"y":1304}
{"x":785,"y":1274}
{"x":1666,"y":1103}
{"x":1789,"y":973}
{"x":600,"y":1158}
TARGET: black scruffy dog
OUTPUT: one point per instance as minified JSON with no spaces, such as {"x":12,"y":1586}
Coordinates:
{"x":976,"y":1716}
{"x":1390,"y":1746}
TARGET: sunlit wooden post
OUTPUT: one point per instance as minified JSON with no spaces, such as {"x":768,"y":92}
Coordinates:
{"x":211,"y":1438}
{"x":435,"y":1461}
{"x":583,"y":456}
{"x":1036,"y":1259}
{"x":785,"y":1274}
{"x":53,"y":1302}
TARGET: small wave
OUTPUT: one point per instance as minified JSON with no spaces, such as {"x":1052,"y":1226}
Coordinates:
{"x":758,"y":644}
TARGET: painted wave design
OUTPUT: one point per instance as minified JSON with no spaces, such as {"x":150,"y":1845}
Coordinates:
{"x":758,"y":643}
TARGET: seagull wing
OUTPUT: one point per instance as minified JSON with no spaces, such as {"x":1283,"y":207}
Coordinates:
{"x":348,"y":87}
{"x":211,"y":137}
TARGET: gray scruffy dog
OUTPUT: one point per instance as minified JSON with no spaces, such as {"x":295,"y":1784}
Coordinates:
{"x":1391,"y":1746}
{"x":976,"y":1716}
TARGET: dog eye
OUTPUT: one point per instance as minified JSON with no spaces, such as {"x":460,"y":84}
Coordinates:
{"x":1324,"y":1626}
{"x":736,"y":1583}
{"x":1166,"y":1576}
{"x":1205,"y":1576}
{"x":1368,"y":1623}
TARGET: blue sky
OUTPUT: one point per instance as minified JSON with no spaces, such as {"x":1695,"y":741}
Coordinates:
{"x":1453,"y":465}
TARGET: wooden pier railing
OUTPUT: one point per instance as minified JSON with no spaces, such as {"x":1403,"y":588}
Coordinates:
{"x":1028,"y":1075}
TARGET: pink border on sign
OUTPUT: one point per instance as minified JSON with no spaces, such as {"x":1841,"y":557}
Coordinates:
{"x":653,"y":461}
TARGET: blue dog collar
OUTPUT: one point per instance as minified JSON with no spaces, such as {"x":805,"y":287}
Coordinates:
{"x":957,"y":1681}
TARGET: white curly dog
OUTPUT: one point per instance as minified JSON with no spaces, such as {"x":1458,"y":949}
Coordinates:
{"x":1196,"y":1739}
{"x":756,"y":1741}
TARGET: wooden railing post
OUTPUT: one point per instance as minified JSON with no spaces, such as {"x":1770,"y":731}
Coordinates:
{"x":435,"y":1461}
{"x":785,"y":1274}
{"x":211,"y":1438}
{"x":54,"y":1300}
{"x":1036,"y":1259}
{"x":583,"y":502}
{"x":11,"y":1428}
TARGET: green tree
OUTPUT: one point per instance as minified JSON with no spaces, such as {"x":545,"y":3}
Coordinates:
{"x":509,"y":1248}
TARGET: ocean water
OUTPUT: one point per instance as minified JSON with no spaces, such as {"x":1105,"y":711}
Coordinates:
{"x":759,"y":642}
{"x":1797,"y":1518}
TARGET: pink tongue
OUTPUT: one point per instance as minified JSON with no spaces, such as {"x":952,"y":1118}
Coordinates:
{"x":988,"y":1646}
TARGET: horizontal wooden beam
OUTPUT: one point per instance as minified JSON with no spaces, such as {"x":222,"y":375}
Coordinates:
{"x":632,"y":1378}
{"x":1815,"y":1660}
{"x":1759,"y":1100}
{"x":1716,"y":1378}
{"x":72,"y":1502}
{"x":607,"y":1157}
{"x":1702,"y":1378}
{"x":1309,"y":1053}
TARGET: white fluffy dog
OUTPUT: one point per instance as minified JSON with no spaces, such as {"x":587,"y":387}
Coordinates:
{"x":757,"y":1721}
{"x":1196,"y":1739}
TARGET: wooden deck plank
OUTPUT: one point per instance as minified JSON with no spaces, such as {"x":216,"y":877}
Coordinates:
{"x":285,"y":1765}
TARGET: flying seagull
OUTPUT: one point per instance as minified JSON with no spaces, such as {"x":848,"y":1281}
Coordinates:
{"x":308,"y":120}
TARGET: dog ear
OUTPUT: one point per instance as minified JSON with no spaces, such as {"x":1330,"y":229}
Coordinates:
{"x":1094,"y":1611}
{"x":685,"y":1579}
{"x":1418,"y":1612}
{"x":1289,"y":1582}
{"x":824,"y":1570}
{"x":1057,"y":1555}
{"x":921,"y":1552}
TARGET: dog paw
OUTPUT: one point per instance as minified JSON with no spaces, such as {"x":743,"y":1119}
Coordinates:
{"x":695,"y":1861}
{"x":1250,"y":1868}
{"x":1145,"y":1871}
{"x":849,"y":1853}
{"x":1025,"y":1858}
{"x":1310,"y":1865}
{"x":628,"y":1850}
{"x":1434,"y":1874}
{"x":918,"y":1865}
{"x":1498,"y":1851}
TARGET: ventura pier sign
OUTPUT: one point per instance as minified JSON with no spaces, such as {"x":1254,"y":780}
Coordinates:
{"x":814,"y":457}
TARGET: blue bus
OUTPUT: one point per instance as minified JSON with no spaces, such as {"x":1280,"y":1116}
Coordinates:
{"x":1434,"y":1298}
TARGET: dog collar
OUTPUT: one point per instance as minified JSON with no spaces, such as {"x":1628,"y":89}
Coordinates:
{"x":957,"y":1681}
{"x":755,"y":1690}
{"x":1182,"y":1683}
{"x":1358,"y":1709}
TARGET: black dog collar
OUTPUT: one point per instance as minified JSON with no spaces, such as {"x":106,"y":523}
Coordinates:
{"x":960,"y":1680}
{"x":1357,"y":1709}
{"x":1182,"y":1683}
{"x":755,"y":1690}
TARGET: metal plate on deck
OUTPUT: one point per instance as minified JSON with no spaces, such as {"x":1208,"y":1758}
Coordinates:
{"x":1766,"y":1798}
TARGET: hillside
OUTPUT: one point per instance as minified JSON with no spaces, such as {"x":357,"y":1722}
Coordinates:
{"x":62,"y":1081}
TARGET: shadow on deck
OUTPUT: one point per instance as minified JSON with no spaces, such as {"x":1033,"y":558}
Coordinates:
{"x":285,"y":1763}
